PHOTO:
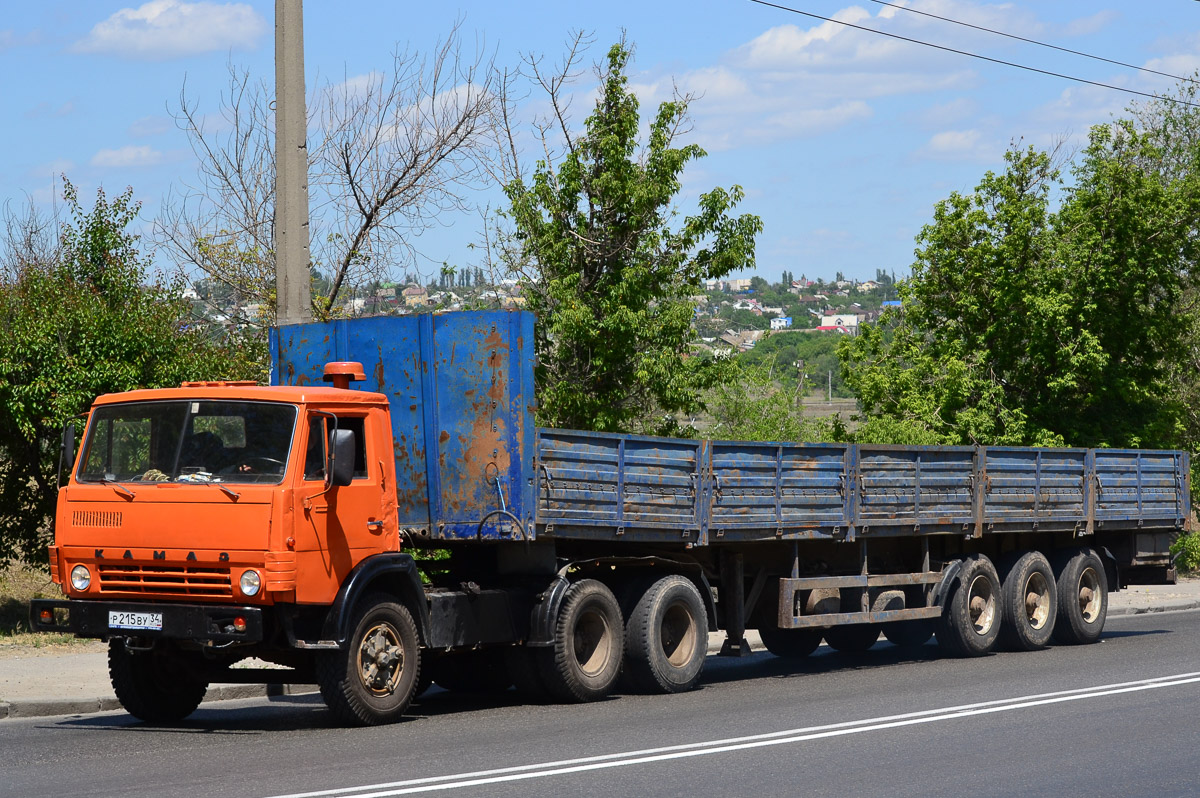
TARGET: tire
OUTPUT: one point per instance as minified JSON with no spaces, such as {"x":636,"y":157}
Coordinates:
{"x":154,"y":686}
{"x":472,"y":672}
{"x":971,"y":617}
{"x":589,"y":638}
{"x":853,"y":638}
{"x":373,"y":680}
{"x":1029,"y":599}
{"x":1082,"y":598}
{"x":790,"y":643}
{"x":909,"y":634}
{"x":666,"y":640}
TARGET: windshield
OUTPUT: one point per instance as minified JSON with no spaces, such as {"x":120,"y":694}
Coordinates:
{"x":188,"y":441}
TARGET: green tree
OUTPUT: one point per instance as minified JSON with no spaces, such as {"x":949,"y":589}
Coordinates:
{"x":1027,"y":325}
{"x":79,"y":320}
{"x":609,"y":275}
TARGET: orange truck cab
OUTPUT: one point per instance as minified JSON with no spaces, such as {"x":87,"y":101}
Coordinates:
{"x":220,"y":521}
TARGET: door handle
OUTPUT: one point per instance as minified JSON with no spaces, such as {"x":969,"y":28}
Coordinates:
{"x":375,"y":526}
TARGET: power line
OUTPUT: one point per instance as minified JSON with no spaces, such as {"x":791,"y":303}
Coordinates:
{"x":977,"y":55}
{"x":1034,"y":41}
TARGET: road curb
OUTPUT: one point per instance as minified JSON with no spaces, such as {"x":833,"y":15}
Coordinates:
{"x":40,"y":708}
{"x":1166,"y":606}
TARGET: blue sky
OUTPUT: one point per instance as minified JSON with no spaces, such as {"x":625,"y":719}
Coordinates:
{"x":843,"y":140}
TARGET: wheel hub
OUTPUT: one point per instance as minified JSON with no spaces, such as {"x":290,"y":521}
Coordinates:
{"x":381,"y":659}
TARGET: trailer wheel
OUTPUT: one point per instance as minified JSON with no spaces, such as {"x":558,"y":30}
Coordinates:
{"x":589,"y":638}
{"x":374,"y":679}
{"x":1030,"y":602}
{"x":971,"y":618}
{"x":1082,"y":598}
{"x":790,"y":643}
{"x":853,"y":638}
{"x":909,"y":634}
{"x":154,"y":686}
{"x":666,"y":640}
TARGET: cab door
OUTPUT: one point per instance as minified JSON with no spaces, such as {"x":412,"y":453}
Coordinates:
{"x":339,"y":527}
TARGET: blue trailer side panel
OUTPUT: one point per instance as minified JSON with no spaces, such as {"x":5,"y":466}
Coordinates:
{"x":460,"y":391}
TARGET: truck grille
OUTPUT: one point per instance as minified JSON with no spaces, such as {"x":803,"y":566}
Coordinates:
{"x":163,"y":579}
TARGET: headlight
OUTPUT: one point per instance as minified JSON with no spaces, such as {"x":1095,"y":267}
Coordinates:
{"x":250,"y":583}
{"x":81,"y":577}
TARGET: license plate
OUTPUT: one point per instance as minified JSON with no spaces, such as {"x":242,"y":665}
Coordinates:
{"x":135,"y":620}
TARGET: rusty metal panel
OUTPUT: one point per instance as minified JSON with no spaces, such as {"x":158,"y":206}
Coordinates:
{"x":1036,"y":488}
{"x":1141,"y":488}
{"x":926,"y":488}
{"x":607,"y":486}
{"x":460,"y":394}
{"x":776,"y":490}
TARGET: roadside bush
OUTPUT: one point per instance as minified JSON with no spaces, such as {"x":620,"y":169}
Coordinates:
{"x":1187,"y":550}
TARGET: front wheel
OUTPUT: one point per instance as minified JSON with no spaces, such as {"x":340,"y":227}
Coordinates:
{"x":971,"y":618}
{"x":154,"y":686}
{"x":1082,"y":598}
{"x":373,"y":680}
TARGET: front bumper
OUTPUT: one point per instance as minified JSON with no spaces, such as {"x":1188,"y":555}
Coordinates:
{"x":199,"y":622}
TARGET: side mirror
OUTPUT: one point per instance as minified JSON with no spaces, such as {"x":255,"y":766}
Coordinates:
{"x":66,"y":454}
{"x":341,"y":458}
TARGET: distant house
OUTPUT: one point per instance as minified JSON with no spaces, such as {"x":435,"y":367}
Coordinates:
{"x":843,"y":323}
{"x":414,"y":296}
{"x":736,"y":286}
{"x":869,"y":285}
{"x":781,"y":323}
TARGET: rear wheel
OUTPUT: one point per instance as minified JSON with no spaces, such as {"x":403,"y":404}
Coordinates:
{"x":589,"y":639}
{"x":1029,"y":596}
{"x":970,"y":622}
{"x":909,"y":634}
{"x":1082,"y":598}
{"x":667,"y":637}
{"x":155,"y":686}
{"x":852,"y":639}
{"x":374,"y":679}
{"x":790,"y":643}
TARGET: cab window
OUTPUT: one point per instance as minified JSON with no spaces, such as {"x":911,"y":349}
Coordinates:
{"x":320,"y":428}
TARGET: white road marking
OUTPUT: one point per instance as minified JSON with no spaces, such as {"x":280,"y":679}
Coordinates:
{"x":785,"y":737}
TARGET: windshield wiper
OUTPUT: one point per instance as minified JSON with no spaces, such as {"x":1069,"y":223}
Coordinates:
{"x":118,"y":486}
{"x":228,"y":491}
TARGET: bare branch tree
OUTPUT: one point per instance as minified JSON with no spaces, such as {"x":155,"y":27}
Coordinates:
{"x":388,"y":153}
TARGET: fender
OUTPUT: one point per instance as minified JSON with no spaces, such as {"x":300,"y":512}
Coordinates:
{"x":943,"y":589}
{"x":544,"y":614}
{"x":393,"y":573}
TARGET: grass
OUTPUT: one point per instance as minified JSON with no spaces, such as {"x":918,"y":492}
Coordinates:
{"x":18,"y":584}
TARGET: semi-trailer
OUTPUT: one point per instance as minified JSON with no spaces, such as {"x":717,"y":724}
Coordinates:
{"x":219,"y":522}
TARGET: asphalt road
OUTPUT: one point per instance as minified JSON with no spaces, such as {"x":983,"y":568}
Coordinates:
{"x":1113,"y":719}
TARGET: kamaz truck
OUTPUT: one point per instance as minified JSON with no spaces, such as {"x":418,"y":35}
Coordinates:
{"x":386,"y":514}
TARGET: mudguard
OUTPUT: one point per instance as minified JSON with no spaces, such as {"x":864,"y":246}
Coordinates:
{"x":393,"y":573}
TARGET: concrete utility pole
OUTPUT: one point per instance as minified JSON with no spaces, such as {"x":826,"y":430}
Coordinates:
{"x":293,"y":292}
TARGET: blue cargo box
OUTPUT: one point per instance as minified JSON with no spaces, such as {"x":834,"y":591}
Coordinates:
{"x":460,"y":390}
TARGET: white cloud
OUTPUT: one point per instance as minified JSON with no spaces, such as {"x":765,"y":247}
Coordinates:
{"x":149,"y":126}
{"x":960,"y":145}
{"x":164,"y":29}
{"x":127,"y":157}
{"x":1093,"y":24}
